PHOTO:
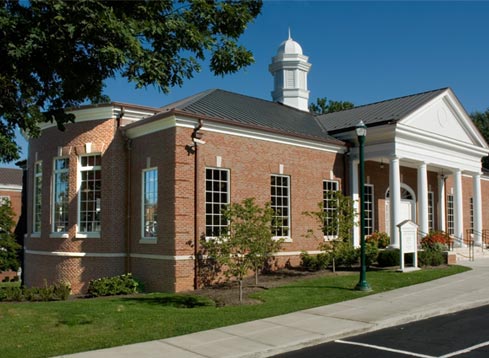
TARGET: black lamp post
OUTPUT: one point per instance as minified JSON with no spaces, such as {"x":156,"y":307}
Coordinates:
{"x":362,"y":285}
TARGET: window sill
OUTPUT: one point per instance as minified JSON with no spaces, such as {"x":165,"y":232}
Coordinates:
{"x":330,"y":238}
{"x":35,"y":235}
{"x":87,"y":235}
{"x":148,"y":240}
{"x":58,"y":235}
{"x":284,"y":238}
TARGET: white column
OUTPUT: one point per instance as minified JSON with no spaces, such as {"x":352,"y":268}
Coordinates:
{"x":458,"y":205}
{"x":356,"y":201}
{"x":441,"y":203}
{"x":423,"y":199}
{"x":477,"y":206}
{"x":394,"y":200}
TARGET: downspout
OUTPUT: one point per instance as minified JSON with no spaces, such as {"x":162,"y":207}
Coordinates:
{"x":128,"y":205}
{"x":196,"y":138}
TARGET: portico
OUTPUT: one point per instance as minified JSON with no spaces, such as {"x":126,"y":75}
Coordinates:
{"x":434,"y":143}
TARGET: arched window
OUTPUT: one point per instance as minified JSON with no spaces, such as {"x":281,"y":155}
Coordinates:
{"x":405,"y":194}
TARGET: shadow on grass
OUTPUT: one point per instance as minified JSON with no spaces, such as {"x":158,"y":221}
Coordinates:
{"x":177,"y":301}
{"x":314,"y":287}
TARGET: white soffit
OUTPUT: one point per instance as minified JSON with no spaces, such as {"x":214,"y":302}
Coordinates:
{"x":444,"y":117}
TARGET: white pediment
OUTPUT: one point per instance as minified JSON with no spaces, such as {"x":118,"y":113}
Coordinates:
{"x":444,"y":117}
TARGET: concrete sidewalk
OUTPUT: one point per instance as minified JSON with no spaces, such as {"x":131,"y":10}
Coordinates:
{"x":274,"y":335}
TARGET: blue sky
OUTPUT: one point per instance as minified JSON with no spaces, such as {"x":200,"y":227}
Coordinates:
{"x":360,"y":52}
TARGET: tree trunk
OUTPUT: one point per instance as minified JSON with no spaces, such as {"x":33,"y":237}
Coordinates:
{"x":334,"y":265}
{"x":256,"y":276}
{"x":240,"y":291}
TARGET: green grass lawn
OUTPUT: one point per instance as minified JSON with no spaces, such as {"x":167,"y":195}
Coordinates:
{"x":53,"y":328}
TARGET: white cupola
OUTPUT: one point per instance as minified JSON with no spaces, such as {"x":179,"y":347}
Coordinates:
{"x":289,"y":69}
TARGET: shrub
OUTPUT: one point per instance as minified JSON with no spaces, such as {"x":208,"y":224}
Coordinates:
{"x":431,"y":257}
{"x":379,"y":239}
{"x":315,"y":262}
{"x":6,"y":279}
{"x":387,"y":258}
{"x":111,"y":286}
{"x":11,"y":293}
{"x":56,"y":292}
{"x":344,"y":254}
{"x":371,"y":253}
{"x":435,"y":240}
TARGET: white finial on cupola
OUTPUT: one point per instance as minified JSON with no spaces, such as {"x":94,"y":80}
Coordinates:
{"x":289,"y":69}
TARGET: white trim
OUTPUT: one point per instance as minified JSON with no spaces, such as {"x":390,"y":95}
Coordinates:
{"x":147,"y":256}
{"x":297,"y":253}
{"x":74,"y":254}
{"x":105,"y":112}
{"x":87,"y":235}
{"x":147,"y":239}
{"x":59,"y":235}
{"x":53,"y":192}
{"x":34,"y":196}
{"x":10,"y":187}
{"x":83,"y":234}
{"x":162,"y":257}
{"x":229,"y":129}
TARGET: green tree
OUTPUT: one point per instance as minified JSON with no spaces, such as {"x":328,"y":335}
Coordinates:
{"x":481,"y":120}
{"x":323,"y":106}
{"x":56,"y":54}
{"x":9,"y":248}
{"x":339,"y":221}
{"x":247,"y":245}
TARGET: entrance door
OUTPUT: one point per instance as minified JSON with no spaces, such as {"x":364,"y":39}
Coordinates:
{"x":407,"y":209}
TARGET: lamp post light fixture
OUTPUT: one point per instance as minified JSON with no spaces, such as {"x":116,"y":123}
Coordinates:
{"x":361,"y":131}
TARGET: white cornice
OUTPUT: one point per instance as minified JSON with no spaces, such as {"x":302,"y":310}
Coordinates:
{"x":187,"y":122}
{"x":94,"y":113}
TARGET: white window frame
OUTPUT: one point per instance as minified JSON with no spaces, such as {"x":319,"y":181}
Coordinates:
{"x":55,"y":232}
{"x":210,"y":196}
{"x":450,"y":215}
{"x":369,"y":219}
{"x":81,"y":169}
{"x":287,"y":238}
{"x":431,"y":211}
{"x":144,"y":238}
{"x":326,"y":188}
{"x":4,"y":199}
{"x":37,"y":198}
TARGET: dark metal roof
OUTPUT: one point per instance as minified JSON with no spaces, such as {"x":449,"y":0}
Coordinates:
{"x":258,"y":113}
{"x":391,"y":110}
{"x":11,"y":176}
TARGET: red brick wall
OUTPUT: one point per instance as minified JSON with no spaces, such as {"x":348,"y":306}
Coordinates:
{"x":108,"y":141}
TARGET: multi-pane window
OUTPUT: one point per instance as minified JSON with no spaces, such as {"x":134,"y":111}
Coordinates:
{"x":450,"y":215}
{"x":4,"y":199}
{"x":60,"y":195}
{"x":280,"y":197}
{"x":36,"y":227}
{"x":431,"y":202}
{"x":216,"y":199}
{"x":90,"y":193}
{"x":369,"y":209}
{"x":330,"y":206}
{"x":150,"y":202}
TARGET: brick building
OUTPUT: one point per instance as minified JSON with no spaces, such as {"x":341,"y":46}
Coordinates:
{"x":132,"y":189}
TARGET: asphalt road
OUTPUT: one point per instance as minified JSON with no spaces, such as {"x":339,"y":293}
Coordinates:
{"x":462,"y":334}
